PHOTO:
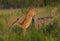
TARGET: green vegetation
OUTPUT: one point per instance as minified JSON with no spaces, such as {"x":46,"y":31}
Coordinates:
{"x":26,"y":3}
{"x":14,"y":33}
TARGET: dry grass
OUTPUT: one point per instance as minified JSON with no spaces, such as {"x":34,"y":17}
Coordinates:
{"x":13,"y":33}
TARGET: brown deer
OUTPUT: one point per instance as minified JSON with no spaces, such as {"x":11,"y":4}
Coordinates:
{"x":28,"y":19}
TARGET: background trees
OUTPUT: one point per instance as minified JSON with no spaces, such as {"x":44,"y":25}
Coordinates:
{"x":26,"y":3}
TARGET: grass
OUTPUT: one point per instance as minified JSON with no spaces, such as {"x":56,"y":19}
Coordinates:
{"x":14,"y":33}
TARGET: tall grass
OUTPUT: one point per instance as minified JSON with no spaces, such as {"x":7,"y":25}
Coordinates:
{"x":14,"y":33}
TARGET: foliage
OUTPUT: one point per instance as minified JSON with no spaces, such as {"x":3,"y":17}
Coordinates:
{"x":14,"y":33}
{"x":26,"y":3}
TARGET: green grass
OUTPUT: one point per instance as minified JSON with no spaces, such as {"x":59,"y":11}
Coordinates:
{"x":14,"y":33}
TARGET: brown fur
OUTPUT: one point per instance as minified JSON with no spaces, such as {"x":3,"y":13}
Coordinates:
{"x":25,"y":24}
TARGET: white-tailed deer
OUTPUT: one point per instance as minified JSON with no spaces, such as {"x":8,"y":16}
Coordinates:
{"x":28,"y":19}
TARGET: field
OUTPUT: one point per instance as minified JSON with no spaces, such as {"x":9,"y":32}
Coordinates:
{"x":8,"y":32}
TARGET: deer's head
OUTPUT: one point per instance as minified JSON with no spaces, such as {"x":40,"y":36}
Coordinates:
{"x":31,"y":11}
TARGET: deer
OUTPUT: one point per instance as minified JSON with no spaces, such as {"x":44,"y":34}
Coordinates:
{"x":26,"y":22}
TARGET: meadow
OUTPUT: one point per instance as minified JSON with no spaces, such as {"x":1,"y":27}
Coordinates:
{"x":8,"y":32}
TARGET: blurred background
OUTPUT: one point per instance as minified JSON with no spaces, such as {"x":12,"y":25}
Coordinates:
{"x":47,"y":11}
{"x":27,"y":3}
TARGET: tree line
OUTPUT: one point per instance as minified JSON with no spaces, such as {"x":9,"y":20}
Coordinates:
{"x":26,"y":3}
